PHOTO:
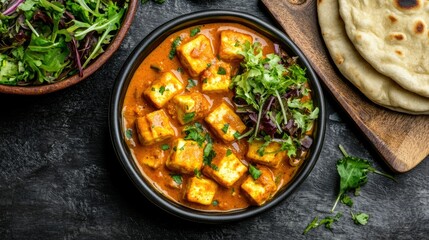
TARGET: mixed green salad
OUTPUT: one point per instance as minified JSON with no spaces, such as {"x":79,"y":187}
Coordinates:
{"x":44,"y":41}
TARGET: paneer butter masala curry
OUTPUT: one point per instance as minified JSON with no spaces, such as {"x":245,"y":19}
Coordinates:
{"x":218,"y":117}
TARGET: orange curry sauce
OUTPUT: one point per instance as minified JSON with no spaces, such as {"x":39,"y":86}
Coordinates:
{"x":136,"y":105}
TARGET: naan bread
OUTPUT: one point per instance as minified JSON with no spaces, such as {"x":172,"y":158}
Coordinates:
{"x":393,"y":37}
{"x":377,"y":87}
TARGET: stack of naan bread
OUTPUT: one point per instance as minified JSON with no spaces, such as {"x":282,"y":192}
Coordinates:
{"x":382,"y":47}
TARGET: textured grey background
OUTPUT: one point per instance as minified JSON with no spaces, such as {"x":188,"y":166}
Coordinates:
{"x":60,"y":179}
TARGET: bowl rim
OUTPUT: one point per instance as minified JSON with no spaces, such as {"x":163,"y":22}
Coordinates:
{"x":121,"y":85}
{"x":88,"y":71}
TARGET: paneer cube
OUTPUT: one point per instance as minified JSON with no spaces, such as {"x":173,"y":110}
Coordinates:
{"x":225,"y":122}
{"x":154,"y":158}
{"x":186,"y":157}
{"x":270,"y":156}
{"x":196,"y":55}
{"x":190,"y":107}
{"x":154,"y":127}
{"x":200,"y":190}
{"x":260,"y":190}
{"x":231,"y":43}
{"x":217,"y":78}
{"x":164,"y":89}
{"x":229,"y":168}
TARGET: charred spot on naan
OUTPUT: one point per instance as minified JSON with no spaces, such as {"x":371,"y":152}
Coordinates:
{"x":407,"y":4}
{"x":419,"y":27}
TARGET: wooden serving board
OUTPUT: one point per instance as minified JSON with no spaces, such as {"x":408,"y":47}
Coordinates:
{"x":402,"y":140}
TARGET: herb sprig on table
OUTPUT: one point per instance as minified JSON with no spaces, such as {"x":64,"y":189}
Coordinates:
{"x":353,"y":174}
{"x":272,"y":94}
{"x":43,"y":41}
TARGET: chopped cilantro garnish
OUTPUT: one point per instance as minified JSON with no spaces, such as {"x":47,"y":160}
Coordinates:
{"x":197,"y":173}
{"x":225,"y":128}
{"x":165,"y":147}
{"x":254,"y":172}
{"x":129,"y":133}
{"x":174,"y":46}
{"x":195,"y":31}
{"x":209,"y":154}
{"x":191,"y":83}
{"x":180,"y":69}
{"x":162,"y":90}
{"x":236,"y":135}
{"x":195,"y":133}
{"x":221,"y":71}
{"x":215,"y":203}
{"x":228,"y":152}
{"x":177,"y":178}
{"x":188,"y":117}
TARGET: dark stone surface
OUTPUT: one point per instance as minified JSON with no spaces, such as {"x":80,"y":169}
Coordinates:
{"x":60,"y":179}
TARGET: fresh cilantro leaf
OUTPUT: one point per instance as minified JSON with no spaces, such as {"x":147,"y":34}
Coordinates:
{"x":353,"y":173}
{"x":215,"y":203}
{"x":129,"y":133}
{"x":327,"y":221}
{"x":254,"y":172}
{"x":360,"y":218}
{"x":345,"y":199}
{"x":225,"y":128}
{"x":188,"y":117}
{"x":221,"y":71}
{"x":195,"y":31}
{"x":195,"y":133}
{"x":177,"y":178}
{"x":209,"y":154}
{"x":180,"y":69}
{"x":177,"y":41}
{"x":228,"y":152}
{"x":191,"y":83}
{"x":165,"y":147}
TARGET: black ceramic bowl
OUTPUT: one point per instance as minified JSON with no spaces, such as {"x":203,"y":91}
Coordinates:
{"x":148,"y":45}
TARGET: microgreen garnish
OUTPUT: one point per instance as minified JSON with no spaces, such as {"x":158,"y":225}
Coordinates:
{"x":267,"y":84}
{"x":228,"y":152}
